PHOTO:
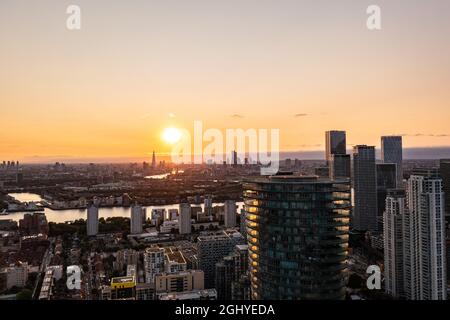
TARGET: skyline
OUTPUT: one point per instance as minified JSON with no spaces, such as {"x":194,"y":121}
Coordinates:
{"x":110,"y":89}
{"x":319,"y":155}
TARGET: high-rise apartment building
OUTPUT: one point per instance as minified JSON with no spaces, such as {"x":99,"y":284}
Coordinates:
{"x":212,"y":247}
{"x":184,"y":218}
{"x":425,"y":245}
{"x":136,"y":219}
{"x":92,"y":220}
{"x":444,"y":170}
{"x":393,"y":232}
{"x":229,"y":271}
{"x":297,"y":231}
{"x":391,"y":152}
{"x":230,"y":214}
{"x":365,"y":189}
{"x":386,"y":180}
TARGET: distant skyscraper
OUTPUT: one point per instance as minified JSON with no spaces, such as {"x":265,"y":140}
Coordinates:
{"x":19,"y":177}
{"x":230,"y":213}
{"x":297,"y":232}
{"x":338,"y":162}
{"x":393,"y":231}
{"x":136,"y":219}
{"x":153,"y":160}
{"x":339,"y":166}
{"x":444,"y":170}
{"x":184,"y":219}
{"x":335,"y":143}
{"x":365,"y":188}
{"x":386,"y":179}
{"x":425,"y":246}
{"x":208,"y":205}
{"x":92,"y":220}
{"x":234,"y":158}
{"x":391,"y":152}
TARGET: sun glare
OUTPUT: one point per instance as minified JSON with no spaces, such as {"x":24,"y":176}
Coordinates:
{"x":171,"y":135}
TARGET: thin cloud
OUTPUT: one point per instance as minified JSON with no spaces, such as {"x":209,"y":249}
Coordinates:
{"x":425,"y":135}
{"x":299,"y":115}
{"x":303,"y":145}
{"x":237,"y":116}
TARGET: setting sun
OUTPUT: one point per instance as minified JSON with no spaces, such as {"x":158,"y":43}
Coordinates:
{"x":171,"y":135}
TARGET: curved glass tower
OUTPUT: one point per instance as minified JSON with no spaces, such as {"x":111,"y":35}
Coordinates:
{"x":297,"y":232}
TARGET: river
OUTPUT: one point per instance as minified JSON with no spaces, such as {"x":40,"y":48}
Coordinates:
{"x":59,"y":216}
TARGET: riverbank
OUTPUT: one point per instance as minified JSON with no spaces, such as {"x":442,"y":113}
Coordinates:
{"x":64,"y":215}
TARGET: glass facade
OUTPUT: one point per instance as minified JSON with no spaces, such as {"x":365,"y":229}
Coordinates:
{"x":297,"y":232}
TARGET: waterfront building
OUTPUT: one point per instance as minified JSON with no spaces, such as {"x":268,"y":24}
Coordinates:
{"x":136,"y":219}
{"x":33,"y":224}
{"x":184,"y":219}
{"x":92,"y":220}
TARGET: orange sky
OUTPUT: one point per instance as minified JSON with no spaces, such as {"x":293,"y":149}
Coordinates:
{"x":107,"y":90}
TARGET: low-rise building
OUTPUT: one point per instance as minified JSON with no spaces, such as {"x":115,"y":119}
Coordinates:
{"x":179,"y":282}
{"x":208,"y":294}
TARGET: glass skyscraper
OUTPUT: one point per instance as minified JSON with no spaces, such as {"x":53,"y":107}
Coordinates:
{"x":365,"y":189}
{"x":444,"y":170}
{"x":338,"y":162}
{"x":297,"y":232}
{"x":335,"y":143}
{"x":391,"y":152}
